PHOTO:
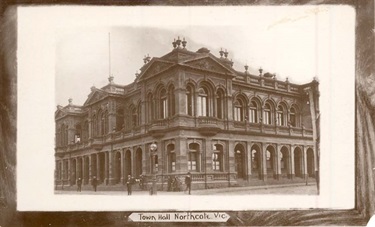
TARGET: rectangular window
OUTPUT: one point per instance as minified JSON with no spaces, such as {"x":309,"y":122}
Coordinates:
{"x":192,"y":165}
{"x":280,"y":120}
{"x":165,"y":109}
{"x":204,"y":106}
{"x":293,"y":120}
{"x":237,"y":114}
{"x":216,"y":161}
{"x":267,"y":119}
{"x":192,"y":161}
{"x":252,"y":116}
{"x":172,"y":162}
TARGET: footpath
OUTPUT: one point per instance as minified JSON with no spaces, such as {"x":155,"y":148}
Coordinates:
{"x":121,"y":189}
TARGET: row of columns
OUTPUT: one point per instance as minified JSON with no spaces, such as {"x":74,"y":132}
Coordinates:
{"x":108,"y":167}
{"x":113,"y":167}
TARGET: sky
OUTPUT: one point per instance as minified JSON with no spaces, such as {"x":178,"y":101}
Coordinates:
{"x":288,"y":41}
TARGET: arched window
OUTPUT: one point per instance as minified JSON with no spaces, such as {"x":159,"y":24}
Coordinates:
{"x":171,"y":101}
{"x":163,"y":106}
{"x":100,"y":123}
{"x":119,"y":118}
{"x":104,"y":123}
{"x":61,"y":135}
{"x":66,"y":142}
{"x":203,"y":102}
{"x":94,"y":124}
{"x":139,"y":114}
{"x":293,"y":117}
{"x":134,"y":119}
{"x":64,"y":135}
{"x":189,"y":100}
{"x":217,"y":158}
{"x":193,"y":160}
{"x":150,"y":108}
{"x":78,"y":133}
{"x":240,"y":108}
{"x":171,"y":158}
{"x":85,"y":131}
{"x":253,"y":112}
{"x":220,"y":104}
{"x":267,"y":114}
{"x":280,"y":116}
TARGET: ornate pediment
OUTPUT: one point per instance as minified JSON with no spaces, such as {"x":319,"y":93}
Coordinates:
{"x":95,"y":96}
{"x":209,"y":64}
{"x":177,"y":56}
{"x":60,"y":113}
{"x":155,"y":68}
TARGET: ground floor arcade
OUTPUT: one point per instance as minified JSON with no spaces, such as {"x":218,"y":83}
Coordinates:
{"x":214,"y":161}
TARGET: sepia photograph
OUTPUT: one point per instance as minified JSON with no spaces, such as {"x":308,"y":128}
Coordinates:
{"x":190,"y":119}
{"x":214,"y":110}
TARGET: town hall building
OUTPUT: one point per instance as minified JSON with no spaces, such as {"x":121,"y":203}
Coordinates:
{"x":221,"y":125}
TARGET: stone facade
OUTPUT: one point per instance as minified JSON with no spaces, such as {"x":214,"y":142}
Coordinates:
{"x":206,"y":118}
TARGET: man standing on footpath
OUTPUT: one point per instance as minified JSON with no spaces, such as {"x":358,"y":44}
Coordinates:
{"x":129,"y":184}
{"x":188,"y":182}
{"x":79,"y":184}
{"x":94,"y":183}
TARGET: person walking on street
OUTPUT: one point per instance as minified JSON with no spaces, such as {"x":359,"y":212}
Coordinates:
{"x":79,"y":184}
{"x":188,"y":182}
{"x":94,"y":183}
{"x":129,"y":184}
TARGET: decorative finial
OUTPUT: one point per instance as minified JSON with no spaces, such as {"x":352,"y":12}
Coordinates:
{"x":174,"y":43}
{"x":221,"y":52}
{"x":70,"y":100}
{"x":226,"y":53}
{"x":110,"y":79}
{"x":92,"y":88}
{"x":246,"y":68}
{"x":145,"y":59}
{"x":287,"y":80}
{"x":231,"y":62}
{"x":136,"y":74}
{"x":178,"y":41}
{"x":261,"y":71}
{"x":184,"y":43}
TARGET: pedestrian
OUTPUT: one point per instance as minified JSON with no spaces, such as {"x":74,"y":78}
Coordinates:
{"x":170,"y":181}
{"x":141,"y":182}
{"x":129,"y":184}
{"x":94,"y":182}
{"x":188,"y":181}
{"x":79,"y":184}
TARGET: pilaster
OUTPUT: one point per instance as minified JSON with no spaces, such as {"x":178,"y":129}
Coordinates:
{"x":181,"y":149}
{"x":231,"y":161}
{"x":90,"y":175}
{"x":278,"y":161}
{"x":111,"y":165}
{"x":123,"y":178}
{"x":249,"y":160}
{"x":263,"y":174}
{"x":106,"y":168}
{"x":304,"y":162}
{"x":292,"y":162}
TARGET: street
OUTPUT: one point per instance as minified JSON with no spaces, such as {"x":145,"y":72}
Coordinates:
{"x":287,"y":189}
